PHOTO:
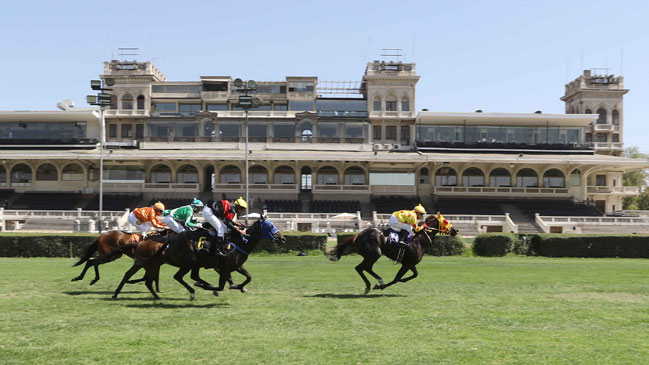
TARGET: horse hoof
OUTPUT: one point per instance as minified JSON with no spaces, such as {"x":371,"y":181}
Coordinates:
{"x":76,"y":279}
{"x":114,"y":296}
{"x":244,"y":290}
{"x":377,"y":287}
{"x":216,"y":293}
{"x":93,"y":282}
{"x":191,"y":296}
{"x":367,"y":290}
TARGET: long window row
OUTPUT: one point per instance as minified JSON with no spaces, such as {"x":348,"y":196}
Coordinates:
{"x":500,"y":177}
{"x":499,"y":134}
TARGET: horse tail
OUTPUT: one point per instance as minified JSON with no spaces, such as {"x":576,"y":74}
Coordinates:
{"x":339,"y":250}
{"x":92,"y":248}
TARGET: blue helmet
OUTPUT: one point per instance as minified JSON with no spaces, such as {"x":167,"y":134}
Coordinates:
{"x":197,"y":203}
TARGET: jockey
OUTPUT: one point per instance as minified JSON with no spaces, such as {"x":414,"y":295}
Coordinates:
{"x":179,"y":218}
{"x":404,"y":221}
{"x":146,"y":218}
{"x":222,"y":214}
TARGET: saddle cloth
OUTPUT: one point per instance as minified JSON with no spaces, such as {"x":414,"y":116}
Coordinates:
{"x":393,"y":237}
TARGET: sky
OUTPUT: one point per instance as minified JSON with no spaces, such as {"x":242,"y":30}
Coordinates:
{"x":498,"y":56}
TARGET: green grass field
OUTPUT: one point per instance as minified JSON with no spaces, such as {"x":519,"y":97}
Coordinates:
{"x":310,"y":310}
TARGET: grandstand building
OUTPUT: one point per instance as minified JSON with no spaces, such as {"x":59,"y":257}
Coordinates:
{"x":317,"y":146}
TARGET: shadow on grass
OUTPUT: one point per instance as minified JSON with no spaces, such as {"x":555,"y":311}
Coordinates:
{"x":175,"y":306}
{"x":352,"y":296}
{"x":100,"y":292}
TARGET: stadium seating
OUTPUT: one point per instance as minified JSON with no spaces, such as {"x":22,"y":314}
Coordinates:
{"x":390,"y":204}
{"x":46,"y":201}
{"x":115,"y":202}
{"x":283,"y":206}
{"x":473,"y":206}
{"x":556,"y":207}
{"x":170,"y":203}
{"x":334,"y":206}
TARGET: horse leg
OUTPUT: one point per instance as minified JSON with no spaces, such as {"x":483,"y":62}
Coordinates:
{"x":245,"y":273}
{"x":200,"y":282}
{"x":398,"y":277}
{"x":359,"y":269}
{"x":104,"y":259}
{"x":127,"y":276}
{"x":85,"y":268}
{"x":179,"y":278}
{"x":143,"y":278}
{"x":375,"y":275}
{"x":152,"y":272}
{"x":414,"y":274}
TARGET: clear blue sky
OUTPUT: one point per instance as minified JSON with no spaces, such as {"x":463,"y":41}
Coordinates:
{"x":499,"y":56}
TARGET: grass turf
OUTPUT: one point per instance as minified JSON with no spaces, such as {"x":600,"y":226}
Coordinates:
{"x":310,"y":310}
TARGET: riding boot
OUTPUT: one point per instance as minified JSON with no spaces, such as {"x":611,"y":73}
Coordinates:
{"x":403,"y":237}
{"x":220,"y":246}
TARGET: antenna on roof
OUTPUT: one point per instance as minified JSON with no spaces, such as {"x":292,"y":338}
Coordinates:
{"x":391,"y":54}
{"x":128,"y":51}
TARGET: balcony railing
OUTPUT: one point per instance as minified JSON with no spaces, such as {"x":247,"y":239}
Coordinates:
{"x":606,"y":127}
{"x":123,"y":186}
{"x":127,"y":112}
{"x":607,"y":145}
{"x":479,"y":190}
{"x":341,"y":188}
{"x":254,"y":187}
{"x":394,"y":114}
{"x":630,"y":190}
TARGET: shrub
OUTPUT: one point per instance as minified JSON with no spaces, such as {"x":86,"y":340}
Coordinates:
{"x":446,"y":246}
{"x":44,"y":245}
{"x":295,"y":241}
{"x":627,"y":246}
{"x":494,"y":244}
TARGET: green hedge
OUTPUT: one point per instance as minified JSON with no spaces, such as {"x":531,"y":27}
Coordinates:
{"x":558,"y":245}
{"x":494,"y":244}
{"x":42,"y":245}
{"x":295,"y":241}
{"x":442,"y":245}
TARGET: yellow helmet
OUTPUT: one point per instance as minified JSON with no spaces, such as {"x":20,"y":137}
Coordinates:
{"x":241,"y":203}
{"x":159,"y":206}
{"x":420,"y":209}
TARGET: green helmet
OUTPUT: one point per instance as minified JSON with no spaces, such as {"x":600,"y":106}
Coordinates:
{"x":197,"y":203}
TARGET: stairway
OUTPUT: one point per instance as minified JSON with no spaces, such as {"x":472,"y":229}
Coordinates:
{"x":525,"y":224}
{"x":305,"y":198}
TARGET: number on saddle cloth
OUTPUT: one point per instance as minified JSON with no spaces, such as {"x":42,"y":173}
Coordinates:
{"x":393,"y":237}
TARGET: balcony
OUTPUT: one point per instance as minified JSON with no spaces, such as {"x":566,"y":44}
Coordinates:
{"x":231,"y":188}
{"x":610,"y":146}
{"x":606,"y":127}
{"x":338,"y":189}
{"x":499,"y":191}
{"x":614,"y":190}
{"x":392,"y":114}
{"x":120,"y":186}
{"x":127,"y":113}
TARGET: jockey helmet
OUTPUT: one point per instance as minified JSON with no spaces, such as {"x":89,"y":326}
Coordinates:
{"x":159,"y":206}
{"x":241,"y":203}
{"x":420,"y":209}
{"x":197,"y":203}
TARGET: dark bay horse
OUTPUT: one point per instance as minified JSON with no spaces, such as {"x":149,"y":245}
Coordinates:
{"x":371,"y":244}
{"x":110,"y":246}
{"x":182,"y":252}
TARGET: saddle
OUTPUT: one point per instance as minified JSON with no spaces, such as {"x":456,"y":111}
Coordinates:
{"x":393,"y":237}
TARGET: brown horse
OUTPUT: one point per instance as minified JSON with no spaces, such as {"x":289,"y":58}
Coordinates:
{"x":371,"y":244}
{"x":183,"y":251}
{"x":110,"y":245}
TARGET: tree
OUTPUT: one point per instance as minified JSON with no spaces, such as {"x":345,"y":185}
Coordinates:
{"x":636,"y":178}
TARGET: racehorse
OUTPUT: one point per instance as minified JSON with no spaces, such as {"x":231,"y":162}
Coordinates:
{"x":111,"y":245}
{"x":183,"y":251}
{"x":371,"y":244}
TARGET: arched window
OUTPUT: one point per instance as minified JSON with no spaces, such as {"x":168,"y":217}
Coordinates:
{"x":575,"y":178}
{"x":187,"y":174}
{"x":602,"y":116}
{"x":113,"y":102}
{"x":230,"y":175}
{"x":21,"y":175}
{"x":140,"y":102}
{"x":616,"y":117}
{"x":500,"y":177}
{"x":354,"y":176}
{"x":405,"y":104}
{"x":423,"y":176}
{"x":284,"y":175}
{"x":131,"y":173}
{"x":554,"y":178}
{"x":588,"y":111}
{"x":3,"y":176}
{"x":307,"y":131}
{"x":473,"y":177}
{"x":446,"y":176}
{"x":160,"y":174}
{"x":72,"y":172}
{"x":391,"y":104}
{"x":127,"y":101}
{"x":258,"y":175}
{"x":527,"y":178}
{"x":327,"y":176}
{"x":47,"y":172}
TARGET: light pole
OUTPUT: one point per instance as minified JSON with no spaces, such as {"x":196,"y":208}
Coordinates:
{"x":247,"y":102}
{"x":101,"y":99}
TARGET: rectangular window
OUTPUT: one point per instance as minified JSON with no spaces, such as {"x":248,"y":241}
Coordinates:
{"x":257,"y":132}
{"x":189,"y":130}
{"x":164,"y":107}
{"x":341,"y":107}
{"x":228,"y":130}
{"x":377,"y":105}
{"x":391,"y":133}
{"x":139,"y":131}
{"x":391,"y":105}
{"x":158,"y":88}
{"x":300,"y":105}
{"x":127,"y":131}
{"x":615,"y":138}
{"x":216,"y":107}
{"x":589,"y":137}
{"x":301,"y":86}
{"x":284,"y":131}
{"x":112,"y":130}
{"x":405,"y":134}
{"x":216,"y":86}
{"x":190,"y":108}
{"x":280,"y":107}
{"x":601,"y":137}
{"x":376,"y":132}
{"x":328,"y":132}
{"x":405,"y":106}
{"x":600,"y":180}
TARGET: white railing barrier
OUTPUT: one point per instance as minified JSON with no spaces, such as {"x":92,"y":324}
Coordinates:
{"x":591,"y":221}
{"x":510,"y":225}
{"x":541,"y":223}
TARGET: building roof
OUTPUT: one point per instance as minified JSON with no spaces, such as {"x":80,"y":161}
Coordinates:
{"x":82,"y":115}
